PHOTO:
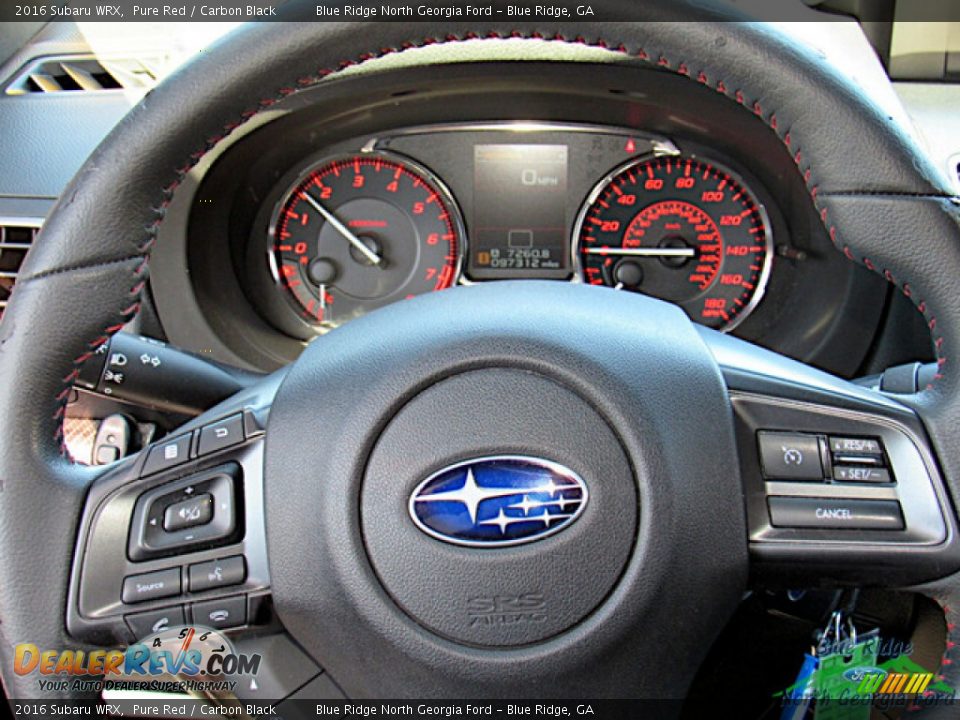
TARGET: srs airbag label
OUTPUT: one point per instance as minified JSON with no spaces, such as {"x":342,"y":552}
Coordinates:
{"x":506,"y":609}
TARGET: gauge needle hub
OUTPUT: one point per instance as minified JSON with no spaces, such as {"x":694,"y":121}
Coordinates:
{"x":343,"y":230}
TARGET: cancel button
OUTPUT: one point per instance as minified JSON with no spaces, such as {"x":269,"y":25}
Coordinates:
{"x":833,"y":514}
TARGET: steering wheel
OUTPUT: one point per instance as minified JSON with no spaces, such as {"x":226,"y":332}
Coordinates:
{"x":658,"y":420}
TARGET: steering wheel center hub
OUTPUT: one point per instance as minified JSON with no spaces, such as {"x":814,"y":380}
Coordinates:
{"x":481,"y":489}
{"x":528,"y":523}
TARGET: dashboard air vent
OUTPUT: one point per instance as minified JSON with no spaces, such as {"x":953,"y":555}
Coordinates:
{"x":16,"y":237}
{"x":82,"y":73}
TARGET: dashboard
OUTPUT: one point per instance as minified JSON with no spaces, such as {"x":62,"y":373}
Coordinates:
{"x":404,"y":182}
{"x":215,"y":278}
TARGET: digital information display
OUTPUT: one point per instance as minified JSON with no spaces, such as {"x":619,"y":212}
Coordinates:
{"x":519,"y":226}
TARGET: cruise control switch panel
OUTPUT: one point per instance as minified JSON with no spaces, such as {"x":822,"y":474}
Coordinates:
{"x":842,"y":487}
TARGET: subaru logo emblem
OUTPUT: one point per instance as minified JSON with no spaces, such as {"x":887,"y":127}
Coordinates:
{"x":498,"y":501}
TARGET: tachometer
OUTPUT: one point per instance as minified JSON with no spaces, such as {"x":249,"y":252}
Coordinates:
{"x":681,"y":229}
{"x":355,"y":233}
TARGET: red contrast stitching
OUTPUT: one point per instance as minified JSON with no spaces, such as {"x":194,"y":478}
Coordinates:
{"x":658,"y":60}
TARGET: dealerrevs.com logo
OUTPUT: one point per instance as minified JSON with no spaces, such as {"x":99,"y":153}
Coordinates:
{"x":199,"y":657}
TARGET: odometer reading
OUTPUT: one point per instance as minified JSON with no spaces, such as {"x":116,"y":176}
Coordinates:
{"x":519,"y":224}
{"x":359,"y":232}
{"x":681,"y":229}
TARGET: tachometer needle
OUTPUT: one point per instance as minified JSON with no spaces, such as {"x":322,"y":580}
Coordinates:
{"x":343,"y":230}
{"x":642,"y":252}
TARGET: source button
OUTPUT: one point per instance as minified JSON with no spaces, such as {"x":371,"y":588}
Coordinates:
{"x":150,"y":586}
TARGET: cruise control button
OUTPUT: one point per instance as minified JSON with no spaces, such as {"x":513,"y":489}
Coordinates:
{"x":833,"y":514}
{"x":221,"y":434}
{"x":844,"y":473}
{"x":167,"y":455}
{"x":152,"y":585}
{"x":220,"y":614}
{"x":790,"y":456}
{"x":862,"y":446}
{"x":188,"y":513}
{"x":218,"y":573}
{"x":154,"y":621}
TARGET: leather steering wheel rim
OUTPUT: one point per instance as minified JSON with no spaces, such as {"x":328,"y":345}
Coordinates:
{"x":83,"y":280}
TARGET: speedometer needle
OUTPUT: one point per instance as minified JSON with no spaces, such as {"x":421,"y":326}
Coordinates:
{"x":343,"y":230}
{"x":642,"y":252}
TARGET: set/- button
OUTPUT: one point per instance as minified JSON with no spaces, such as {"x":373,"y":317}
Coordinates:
{"x":859,"y":474}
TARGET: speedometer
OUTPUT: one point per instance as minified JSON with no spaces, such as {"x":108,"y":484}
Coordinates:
{"x":358,"y":232}
{"x":681,"y":229}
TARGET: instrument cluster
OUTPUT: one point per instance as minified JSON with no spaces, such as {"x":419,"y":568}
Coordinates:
{"x":373,"y":221}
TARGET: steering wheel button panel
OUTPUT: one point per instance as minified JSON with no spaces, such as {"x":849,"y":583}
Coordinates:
{"x":217,"y":573}
{"x":127,"y":543}
{"x":152,"y":585}
{"x":793,"y":512}
{"x":858,"y":516}
{"x":221,"y":435}
{"x":793,"y":456}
